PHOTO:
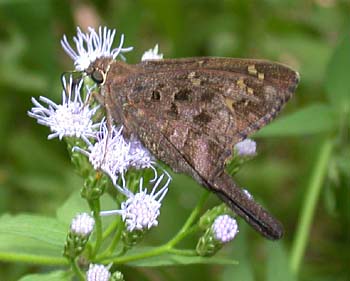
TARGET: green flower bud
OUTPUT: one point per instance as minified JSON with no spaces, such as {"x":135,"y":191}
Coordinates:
{"x":130,"y":239}
{"x":117,"y":276}
{"x":209,"y":216}
{"x":223,"y":230}
{"x":80,"y":230}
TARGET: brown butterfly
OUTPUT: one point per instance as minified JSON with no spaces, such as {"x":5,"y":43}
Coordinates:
{"x":191,"y":112}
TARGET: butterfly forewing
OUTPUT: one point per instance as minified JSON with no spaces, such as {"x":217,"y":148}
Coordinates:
{"x":190,"y":112}
{"x":200,"y":97}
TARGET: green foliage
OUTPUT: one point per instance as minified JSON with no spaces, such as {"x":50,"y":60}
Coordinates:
{"x":315,"y":119}
{"x":338,"y":84}
{"x":173,"y":259}
{"x":33,"y":238}
{"x":277,"y":264}
{"x":52,"y":276}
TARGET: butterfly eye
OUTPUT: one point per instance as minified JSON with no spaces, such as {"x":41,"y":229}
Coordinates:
{"x":98,"y":76}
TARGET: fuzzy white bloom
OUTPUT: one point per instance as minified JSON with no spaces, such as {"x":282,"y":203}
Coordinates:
{"x":141,"y":157}
{"x":110,"y":152}
{"x":113,"y":154}
{"x":152,"y":54}
{"x":98,"y":272}
{"x":93,"y":45}
{"x":141,"y":210}
{"x":224,"y":228}
{"x":82,"y":224}
{"x":71,"y":118}
{"x":246,"y":147}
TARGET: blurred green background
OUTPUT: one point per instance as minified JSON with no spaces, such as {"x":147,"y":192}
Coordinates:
{"x":311,"y":36}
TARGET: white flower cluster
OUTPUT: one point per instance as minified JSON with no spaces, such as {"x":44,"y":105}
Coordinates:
{"x":246,"y":147}
{"x":113,"y":154}
{"x":93,"y":45}
{"x":71,"y":118}
{"x":141,"y":210}
{"x":108,"y":151}
{"x":106,"y":147}
{"x":82,"y":224}
{"x":224,"y":228}
{"x":98,"y":272}
{"x":152,"y":54}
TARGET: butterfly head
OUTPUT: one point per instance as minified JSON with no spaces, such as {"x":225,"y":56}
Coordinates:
{"x":98,"y":70}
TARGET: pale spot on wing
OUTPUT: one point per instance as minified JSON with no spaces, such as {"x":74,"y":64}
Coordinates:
{"x":202,"y":156}
{"x":261,"y":76}
{"x":270,"y":92}
{"x":179,"y":136}
{"x":194,"y":79}
{"x":252,"y":70}
{"x":229,"y":103}
{"x":241,"y":84}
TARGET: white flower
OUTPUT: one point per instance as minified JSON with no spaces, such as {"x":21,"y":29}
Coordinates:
{"x":82,"y":224}
{"x":113,"y":154}
{"x":141,"y":157}
{"x":152,"y":54}
{"x":224,"y":228}
{"x":92,"y":45}
{"x":98,"y":272}
{"x":141,"y":210}
{"x":72,"y":118}
{"x":110,"y":153}
{"x":246,"y":147}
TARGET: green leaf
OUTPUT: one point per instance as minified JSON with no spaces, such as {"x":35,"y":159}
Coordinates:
{"x":240,"y":250}
{"x":32,"y":239}
{"x":314,"y":119}
{"x":242,"y":272}
{"x":343,"y":162}
{"x":308,"y":54}
{"x":74,"y":204}
{"x":170,"y":259}
{"x":174,"y":259}
{"x":338,"y":82}
{"x":277,"y":263}
{"x":58,"y":275}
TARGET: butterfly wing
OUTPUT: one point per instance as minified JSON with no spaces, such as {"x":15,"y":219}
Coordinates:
{"x":190,"y":112}
{"x":216,"y":100}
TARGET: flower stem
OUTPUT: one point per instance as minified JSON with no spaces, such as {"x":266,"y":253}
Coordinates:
{"x":77,"y":270}
{"x":308,"y":209}
{"x":168,"y":247}
{"x":183,"y":252}
{"x":147,"y":254}
{"x":183,"y":232}
{"x":115,"y":240}
{"x":110,"y":229}
{"x":33,"y":259}
{"x":95,"y":207}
